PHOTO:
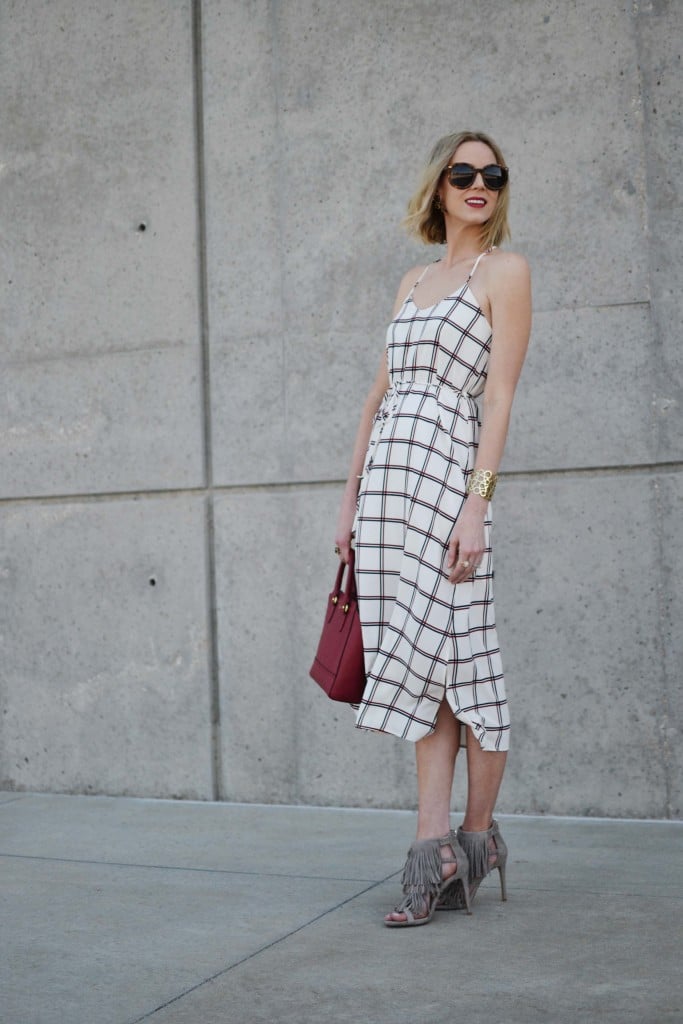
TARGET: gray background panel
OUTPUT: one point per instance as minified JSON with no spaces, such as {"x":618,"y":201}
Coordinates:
{"x":118,"y":421}
{"x":104,"y":648}
{"x":587,"y":392}
{"x":255,"y":608}
{"x":244,"y":178}
{"x":670,"y":637}
{"x":659,"y":29}
{"x":577,"y":611}
{"x":97,"y":140}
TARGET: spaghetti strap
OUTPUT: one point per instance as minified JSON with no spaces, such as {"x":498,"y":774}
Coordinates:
{"x":410,"y":293}
{"x":476,"y":262}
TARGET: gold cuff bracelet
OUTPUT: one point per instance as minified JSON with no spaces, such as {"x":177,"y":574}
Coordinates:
{"x":483,"y":483}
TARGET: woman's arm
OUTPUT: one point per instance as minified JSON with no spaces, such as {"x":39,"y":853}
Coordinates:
{"x":510,"y":297}
{"x":347,"y":511}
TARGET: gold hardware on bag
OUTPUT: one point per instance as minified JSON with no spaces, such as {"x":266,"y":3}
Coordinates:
{"x":335,"y":599}
{"x":346,"y":608}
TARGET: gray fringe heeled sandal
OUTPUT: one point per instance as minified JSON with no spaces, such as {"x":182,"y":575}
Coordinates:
{"x":423,"y":882}
{"x":477,"y":846}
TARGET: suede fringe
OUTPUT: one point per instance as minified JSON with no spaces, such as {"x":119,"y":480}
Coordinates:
{"x":422,"y":871}
{"x":476,"y":846}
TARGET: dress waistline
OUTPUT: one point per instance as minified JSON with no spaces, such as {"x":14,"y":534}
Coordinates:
{"x":444,"y":391}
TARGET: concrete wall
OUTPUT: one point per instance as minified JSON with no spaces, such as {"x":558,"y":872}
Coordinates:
{"x":200,"y":206}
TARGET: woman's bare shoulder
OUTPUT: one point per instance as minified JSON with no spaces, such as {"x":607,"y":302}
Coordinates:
{"x":406,"y":285}
{"x":509,"y":267}
{"x":410,"y":277}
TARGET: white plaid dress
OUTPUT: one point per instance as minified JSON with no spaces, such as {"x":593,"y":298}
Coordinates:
{"x":424,"y":637}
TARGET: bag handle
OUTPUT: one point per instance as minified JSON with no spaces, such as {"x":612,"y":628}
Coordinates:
{"x":350,"y":582}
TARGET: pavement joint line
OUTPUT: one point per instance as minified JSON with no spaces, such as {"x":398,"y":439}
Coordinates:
{"x":257,"y":952}
{"x":627,"y":894}
{"x":179,"y":867}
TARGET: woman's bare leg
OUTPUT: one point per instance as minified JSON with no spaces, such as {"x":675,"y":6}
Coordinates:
{"x":484,"y":775}
{"x":435,"y":756}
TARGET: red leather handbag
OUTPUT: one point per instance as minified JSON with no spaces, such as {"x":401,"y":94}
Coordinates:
{"x":339,"y":665}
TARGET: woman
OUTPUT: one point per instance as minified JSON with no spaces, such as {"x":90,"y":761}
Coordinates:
{"x":417,"y":498}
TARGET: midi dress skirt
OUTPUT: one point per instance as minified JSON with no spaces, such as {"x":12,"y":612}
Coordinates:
{"x":426,"y":639}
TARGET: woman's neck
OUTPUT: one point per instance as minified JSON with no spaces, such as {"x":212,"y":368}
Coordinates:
{"x":463,"y":242}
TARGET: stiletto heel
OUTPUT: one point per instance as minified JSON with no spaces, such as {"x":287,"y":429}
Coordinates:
{"x":503,"y":890}
{"x":477,"y":847}
{"x":423,"y":882}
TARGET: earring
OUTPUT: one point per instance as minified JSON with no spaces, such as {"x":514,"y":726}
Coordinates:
{"x":437,"y":202}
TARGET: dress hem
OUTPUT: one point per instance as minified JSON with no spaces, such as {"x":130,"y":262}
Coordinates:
{"x":503,"y":732}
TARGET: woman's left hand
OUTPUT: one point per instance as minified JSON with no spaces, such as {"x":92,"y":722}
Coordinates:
{"x":467,"y":544}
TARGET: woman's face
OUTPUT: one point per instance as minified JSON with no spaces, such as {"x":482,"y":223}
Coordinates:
{"x":476,"y":203}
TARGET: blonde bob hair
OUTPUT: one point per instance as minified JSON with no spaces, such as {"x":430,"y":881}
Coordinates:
{"x":426,"y":221}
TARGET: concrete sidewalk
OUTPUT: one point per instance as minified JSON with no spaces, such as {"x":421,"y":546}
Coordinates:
{"x":117,"y":911}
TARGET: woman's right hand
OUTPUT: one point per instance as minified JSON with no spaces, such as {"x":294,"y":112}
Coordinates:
{"x":342,"y":536}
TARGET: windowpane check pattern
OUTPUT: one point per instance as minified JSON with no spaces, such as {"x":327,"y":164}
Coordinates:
{"x":425,"y":638}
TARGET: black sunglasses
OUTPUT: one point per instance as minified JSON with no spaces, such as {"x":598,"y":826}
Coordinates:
{"x":494,"y":176}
